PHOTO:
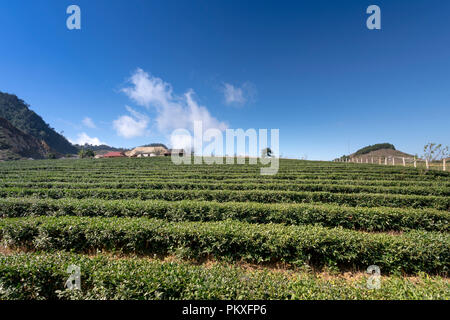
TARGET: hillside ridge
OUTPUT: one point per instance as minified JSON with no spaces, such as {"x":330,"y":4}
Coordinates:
{"x":18,"y":113}
{"x":16,"y":144}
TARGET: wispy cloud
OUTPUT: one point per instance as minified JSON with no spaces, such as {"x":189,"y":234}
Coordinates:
{"x":88,"y":122}
{"x":238,"y":96}
{"x":172,"y":111}
{"x":83,"y":138}
{"x":131,"y":126}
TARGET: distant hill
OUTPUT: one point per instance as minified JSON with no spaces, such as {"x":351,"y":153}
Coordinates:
{"x":375,"y":147}
{"x":17,"y":112}
{"x":383,"y":150}
{"x":100,"y":149}
{"x":383,"y":153}
{"x":15,"y":144}
{"x":156,"y":145}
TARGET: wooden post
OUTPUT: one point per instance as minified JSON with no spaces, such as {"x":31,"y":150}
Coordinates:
{"x":426,"y":163}
{"x":415,"y":162}
{"x":385,"y":161}
{"x":367,"y":160}
{"x":372,"y":160}
{"x":443,"y":164}
{"x":379,"y":160}
{"x":393,"y":161}
{"x":404,"y":163}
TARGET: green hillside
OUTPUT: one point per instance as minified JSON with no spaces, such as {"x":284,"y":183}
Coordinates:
{"x":374,"y":147}
{"x":15,"y":144}
{"x":17,"y":112}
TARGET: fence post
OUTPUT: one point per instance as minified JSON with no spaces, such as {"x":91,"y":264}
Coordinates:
{"x":393,"y":161}
{"x":379,"y":160}
{"x":443,"y":164}
{"x":426,"y":163}
{"x":415,"y":163}
{"x":385,"y":161}
{"x":404,"y":164}
{"x":367,"y":160}
{"x":372,"y":160}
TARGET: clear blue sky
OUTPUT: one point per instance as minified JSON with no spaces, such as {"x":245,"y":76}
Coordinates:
{"x":309,"y":68}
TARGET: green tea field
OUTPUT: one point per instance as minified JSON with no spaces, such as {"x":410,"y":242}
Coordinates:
{"x":144,"y":228}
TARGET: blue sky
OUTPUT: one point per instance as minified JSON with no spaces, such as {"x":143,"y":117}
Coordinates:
{"x":308,"y":68}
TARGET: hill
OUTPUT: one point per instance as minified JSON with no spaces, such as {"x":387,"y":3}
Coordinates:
{"x":383,"y":153}
{"x":155,"y":145}
{"x":17,"y":112}
{"x":15,"y":144}
{"x":100,"y":149}
{"x":375,"y":147}
{"x":379,"y":150}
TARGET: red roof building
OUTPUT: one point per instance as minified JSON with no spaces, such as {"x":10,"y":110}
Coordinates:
{"x":113,"y":154}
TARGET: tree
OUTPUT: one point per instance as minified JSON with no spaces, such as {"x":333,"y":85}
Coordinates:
{"x":51,"y":156}
{"x":266,"y":152}
{"x":434,"y":152}
{"x":88,"y":153}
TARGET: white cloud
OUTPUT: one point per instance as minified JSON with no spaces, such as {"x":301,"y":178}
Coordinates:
{"x":83,"y":138}
{"x":88,"y":122}
{"x":235,"y":95}
{"x":173,"y":112}
{"x":131,"y":126}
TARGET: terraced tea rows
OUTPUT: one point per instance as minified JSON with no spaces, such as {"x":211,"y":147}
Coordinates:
{"x":309,"y":218}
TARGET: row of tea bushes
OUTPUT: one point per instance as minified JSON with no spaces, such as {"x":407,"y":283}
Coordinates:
{"x":42,"y":276}
{"x":184,"y":185}
{"x":261,"y":196}
{"x":329,"y":215}
{"x":410,"y":252}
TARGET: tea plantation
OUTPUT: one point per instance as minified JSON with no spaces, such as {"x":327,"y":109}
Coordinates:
{"x":144,"y":228}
